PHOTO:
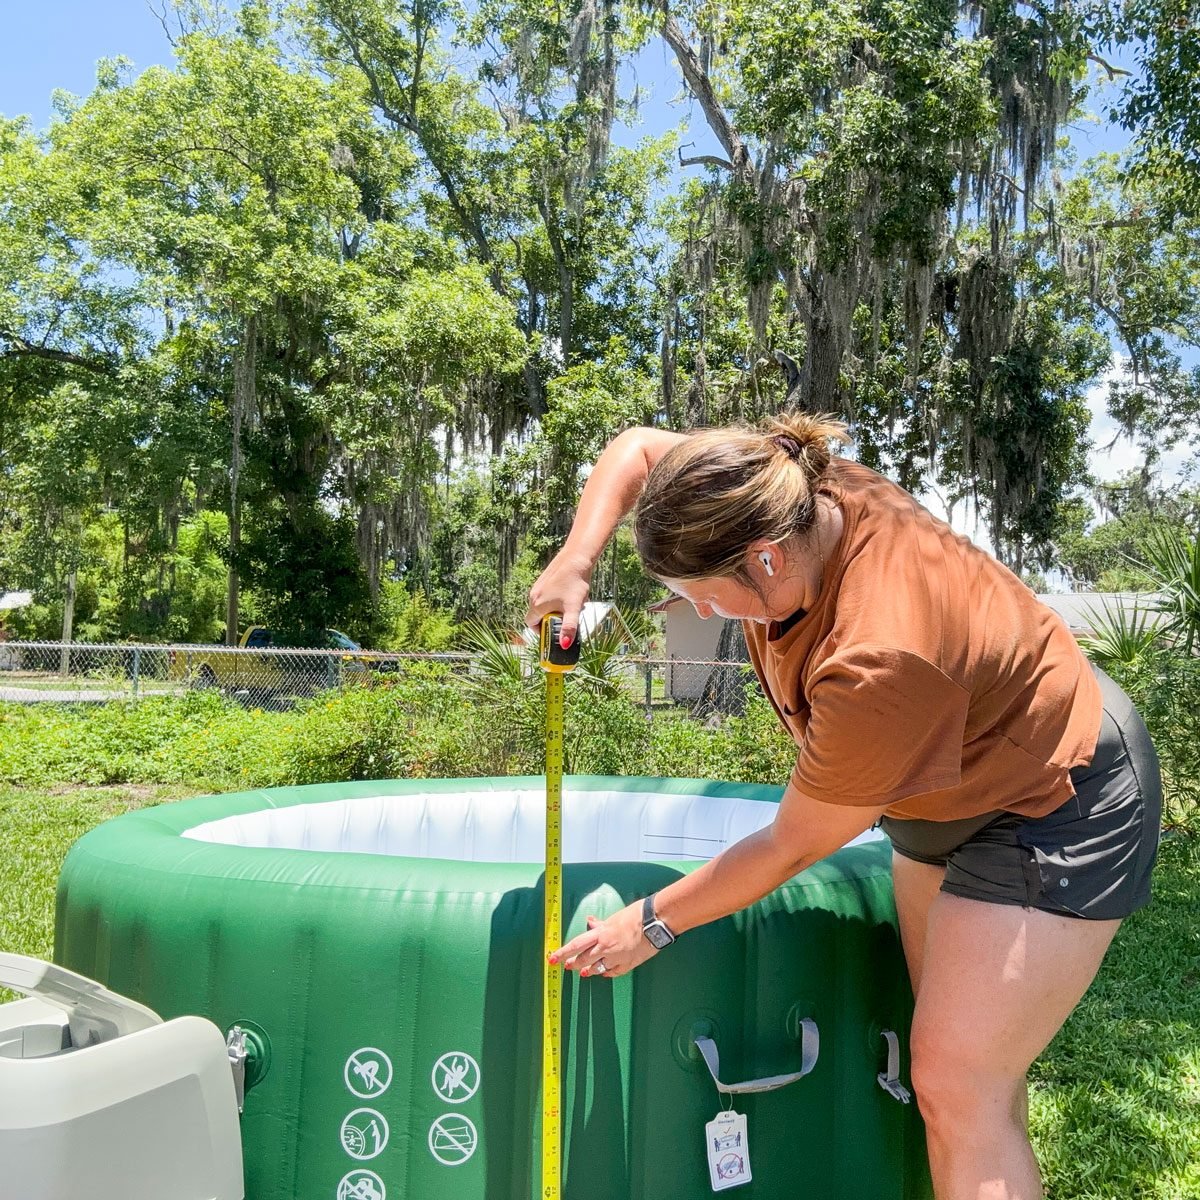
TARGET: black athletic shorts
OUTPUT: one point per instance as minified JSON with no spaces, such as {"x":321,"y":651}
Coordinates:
{"x":1090,"y":858}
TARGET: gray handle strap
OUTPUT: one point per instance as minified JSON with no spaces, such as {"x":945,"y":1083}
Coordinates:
{"x":810,"y":1046}
{"x":889,"y":1080}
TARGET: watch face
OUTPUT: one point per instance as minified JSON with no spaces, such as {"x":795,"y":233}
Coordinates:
{"x":658,"y":936}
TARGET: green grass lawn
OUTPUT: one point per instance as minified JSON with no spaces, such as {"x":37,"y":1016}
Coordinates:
{"x":37,"y":828}
{"x":1115,"y":1100}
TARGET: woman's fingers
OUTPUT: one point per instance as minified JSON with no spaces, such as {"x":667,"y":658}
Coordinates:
{"x":570,"y":627}
{"x":561,"y":588}
{"x":610,"y":947}
{"x":581,"y":953}
{"x":567,"y":954}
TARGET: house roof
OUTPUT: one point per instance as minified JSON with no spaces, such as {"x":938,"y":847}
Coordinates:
{"x":1077,"y":609}
{"x":663,"y":605}
{"x":1081,"y":609}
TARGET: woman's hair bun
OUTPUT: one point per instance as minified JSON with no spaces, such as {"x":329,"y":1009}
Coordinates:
{"x":805,"y":438}
{"x":721,"y":490}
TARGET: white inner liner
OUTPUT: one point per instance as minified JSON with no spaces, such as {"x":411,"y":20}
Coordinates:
{"x":504,"y":826}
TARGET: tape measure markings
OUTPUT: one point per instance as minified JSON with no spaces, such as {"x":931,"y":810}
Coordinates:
{"x":551,"y":974}
{"x":555,"y":661}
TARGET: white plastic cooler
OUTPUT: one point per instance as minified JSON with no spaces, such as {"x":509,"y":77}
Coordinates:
{"x":100,"y":1099}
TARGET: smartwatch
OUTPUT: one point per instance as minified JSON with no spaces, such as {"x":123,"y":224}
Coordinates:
{"x":656,"y":931}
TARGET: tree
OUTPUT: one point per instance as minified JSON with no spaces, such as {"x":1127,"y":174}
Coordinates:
{"x":1143,"y":276}
{"x":1110,"y":554}
{"x":1159,"y":103}
{"x":254,"y":200}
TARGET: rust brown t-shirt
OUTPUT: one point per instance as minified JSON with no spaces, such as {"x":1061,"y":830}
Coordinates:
{"x":927,"y":677}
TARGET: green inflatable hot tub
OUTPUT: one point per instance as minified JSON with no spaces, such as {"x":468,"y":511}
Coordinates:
{"x":381,"y":942}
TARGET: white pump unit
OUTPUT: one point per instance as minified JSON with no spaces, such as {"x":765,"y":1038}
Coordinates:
{"x":102,"y":1099}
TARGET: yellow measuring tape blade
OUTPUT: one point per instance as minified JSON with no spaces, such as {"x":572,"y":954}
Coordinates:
{"x":552,"y":975}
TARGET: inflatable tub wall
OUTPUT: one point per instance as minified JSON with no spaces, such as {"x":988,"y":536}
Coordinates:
{"x":381,"y":943}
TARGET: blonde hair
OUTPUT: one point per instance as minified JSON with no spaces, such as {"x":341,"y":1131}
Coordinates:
{"x":715,"y":494}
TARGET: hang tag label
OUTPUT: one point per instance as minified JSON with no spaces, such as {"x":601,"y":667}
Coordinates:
{"x":728,"y":1151}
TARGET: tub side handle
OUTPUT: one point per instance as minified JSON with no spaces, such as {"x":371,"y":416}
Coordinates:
{"x":889,"y":1080}
{"x":810,"y":1047}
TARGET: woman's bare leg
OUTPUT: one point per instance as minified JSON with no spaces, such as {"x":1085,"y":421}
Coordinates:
{"x":996,"y":982}
{"x":916,"y":886}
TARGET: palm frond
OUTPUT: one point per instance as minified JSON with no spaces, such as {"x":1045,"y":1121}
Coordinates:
{"x":1174,"y":562}
{"x":497,"y":657}
{"x":600,"y":660}
{"x":1121,"y":635}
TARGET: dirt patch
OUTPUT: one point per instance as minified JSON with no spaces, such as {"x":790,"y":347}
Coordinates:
{"x":115,"y":798}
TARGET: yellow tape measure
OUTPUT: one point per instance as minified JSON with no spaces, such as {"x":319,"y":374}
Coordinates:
{"x":555,"y":661}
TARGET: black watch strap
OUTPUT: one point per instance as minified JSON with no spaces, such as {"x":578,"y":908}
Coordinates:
{"x":657,"y":932}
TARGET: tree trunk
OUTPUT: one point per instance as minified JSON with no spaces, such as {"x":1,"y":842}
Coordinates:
{"x":243,"y":403}
{"x":68,"y":628}
{"x":566,"y":280}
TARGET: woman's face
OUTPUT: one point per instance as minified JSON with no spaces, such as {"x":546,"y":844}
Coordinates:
{"x":722,"y":597}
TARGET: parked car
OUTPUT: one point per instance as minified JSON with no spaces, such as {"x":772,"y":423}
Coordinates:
{"x":288,"y":671}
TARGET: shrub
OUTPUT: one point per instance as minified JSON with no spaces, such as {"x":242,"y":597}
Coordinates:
{"x":1165,"y":688}
{"x":408,"y":621}
{"x":392,"y":730}
{"x":752,"y":748}
{"x":198,"y":738}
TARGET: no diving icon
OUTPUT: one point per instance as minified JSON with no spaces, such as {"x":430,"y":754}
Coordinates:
{"x":368,"y":1072}
{"x":452,"y":1139}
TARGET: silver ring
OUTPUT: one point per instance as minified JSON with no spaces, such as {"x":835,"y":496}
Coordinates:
{"x":598,"y":967}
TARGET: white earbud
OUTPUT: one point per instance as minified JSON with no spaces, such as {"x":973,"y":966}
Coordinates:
{"x":765,"y":559}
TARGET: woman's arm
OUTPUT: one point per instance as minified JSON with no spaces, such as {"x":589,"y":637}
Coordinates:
{"x":804,"y":831}
{"x":608,"y":497}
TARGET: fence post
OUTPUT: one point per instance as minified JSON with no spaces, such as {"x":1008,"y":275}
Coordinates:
{"x":137,"y":666}
{"x":649,"y":690}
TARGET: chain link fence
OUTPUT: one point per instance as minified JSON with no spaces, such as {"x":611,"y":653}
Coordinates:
{"x":75,"y":673}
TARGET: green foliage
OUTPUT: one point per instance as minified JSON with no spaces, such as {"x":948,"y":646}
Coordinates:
{"x":199,"y":738}
{"x":1173,"y":559}
{"x":1160,"y":102}
{"x":750,"y":748}
{"x":1112,"y":555}
{"x":1142,"y":273}
{"x":868,"y":139}
{"x":355,"y":290}
{"x":306,"y":570}
{"x":1121,"y":637}
{"x":407,"y":620}
{"x":415,"y":725}
{"x":1165,"y":689}
{"x":423,"y":721}
{"x":197,"y":611}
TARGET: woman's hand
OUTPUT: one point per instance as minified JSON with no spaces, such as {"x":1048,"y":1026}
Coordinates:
{"x":561,"y":588}
{"x":613,"y":946}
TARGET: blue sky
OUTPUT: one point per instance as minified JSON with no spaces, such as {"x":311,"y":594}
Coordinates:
{"x":55,"y":44}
